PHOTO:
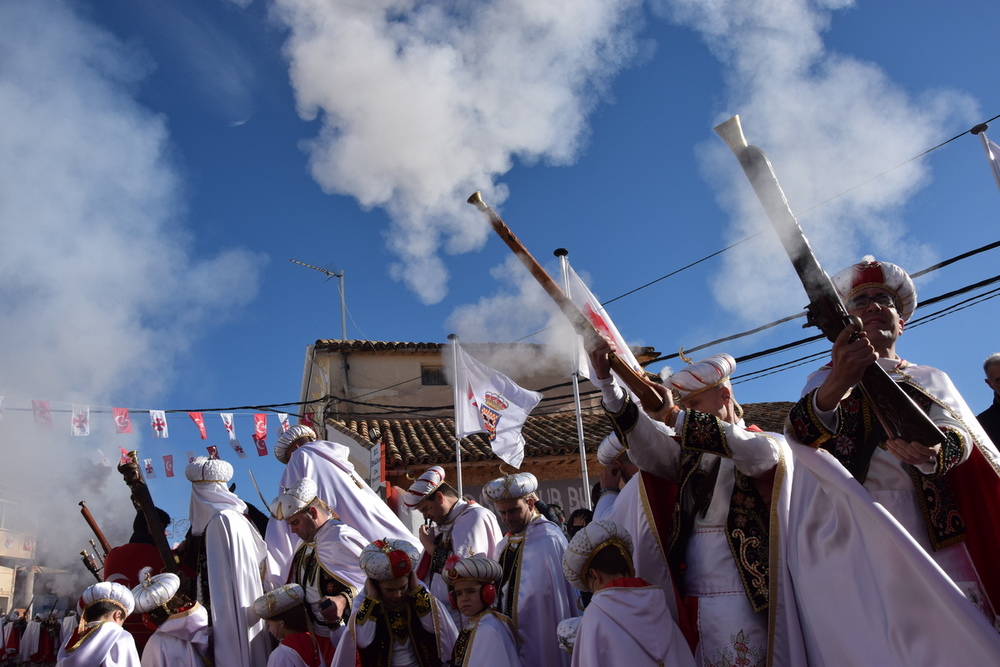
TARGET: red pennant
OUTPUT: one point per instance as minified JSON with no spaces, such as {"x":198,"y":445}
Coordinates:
{"x":261,"y":446}
{"x":125,"y":457}
{"x":199,"y":421}
{"x":213,"y":452}
{"x":168,"y":464}
{"x":307,"y":420}
{"x":123,"y":423}
{"x":260,"y":433}
{"x":43,"y":417}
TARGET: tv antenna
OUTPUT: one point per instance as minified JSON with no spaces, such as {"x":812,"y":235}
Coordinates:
{"x":343,"y":302}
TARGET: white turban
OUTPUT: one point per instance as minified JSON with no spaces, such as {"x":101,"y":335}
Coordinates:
{"x":154,"y":591}
{"x":294,"y":499}
{"x":511,"y":487}
{"x":869,"y":273}
{"x":587,"y":542}
{"x":288,"y":437}
{"x":108,"y":591}
{"x":699,"y":376}
{"x":274,"y":602}
{"x":476,"y":568}
{"x":204,"y":469}
{"x":424,"y":486}
{"x":388,"y":559}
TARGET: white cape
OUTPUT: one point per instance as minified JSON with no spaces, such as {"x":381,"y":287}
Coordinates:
{"x":852,"y":586}
{"x":180,"y":642}
{"x":492,"y":643}
{"x":629,"y":627}
{"x":109,"y":645}
{"x":544,"y":597}
{"x":327,"y":464}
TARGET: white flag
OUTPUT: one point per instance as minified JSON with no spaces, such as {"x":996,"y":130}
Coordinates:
{"x":158,"y":422}
{"x":993,"y":155}
{"x":148,"y":470}
{"x":283,"y":422}
{"x":81,"y":420}
{"x":595,"y":312}
{"x":227,"y":421}
{"x":238,"y":448}
{"x":493,"y":404}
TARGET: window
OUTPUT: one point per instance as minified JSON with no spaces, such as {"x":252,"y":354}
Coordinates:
{"x":10,"y":518}
{"x":432,"y":376}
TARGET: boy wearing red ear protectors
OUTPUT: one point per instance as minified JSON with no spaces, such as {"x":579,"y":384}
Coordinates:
{"x":488,"y":638}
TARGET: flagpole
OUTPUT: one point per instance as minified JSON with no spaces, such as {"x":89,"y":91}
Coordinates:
{"x":562,"y":253}
{"x":456,"y":397}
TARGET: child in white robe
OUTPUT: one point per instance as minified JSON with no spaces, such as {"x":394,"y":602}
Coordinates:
{"x":488,"y":638}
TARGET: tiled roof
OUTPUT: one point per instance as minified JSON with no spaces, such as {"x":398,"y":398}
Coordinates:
{"x":424,"y":442}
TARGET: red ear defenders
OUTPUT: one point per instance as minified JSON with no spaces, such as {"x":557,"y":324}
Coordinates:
{"x":488,"y":594}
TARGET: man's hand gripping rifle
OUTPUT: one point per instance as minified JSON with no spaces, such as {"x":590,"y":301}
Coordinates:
{"x":899,"y":415}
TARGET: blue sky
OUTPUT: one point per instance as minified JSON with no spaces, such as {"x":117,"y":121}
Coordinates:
{"x":164,"y":161}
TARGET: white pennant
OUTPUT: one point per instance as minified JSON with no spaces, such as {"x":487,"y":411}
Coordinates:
{"x":227,"y":421}
{"x":158,"y":422}
{"x":81,"y":420}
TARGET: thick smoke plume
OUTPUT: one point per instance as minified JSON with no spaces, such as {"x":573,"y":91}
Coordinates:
{"x":101,"y":284}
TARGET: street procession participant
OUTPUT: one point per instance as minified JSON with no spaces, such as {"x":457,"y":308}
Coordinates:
{"x":533,"y":592}
{"x":100,"y":640}
{"x":719,"y":540}
{"x":489,"y":638}
{"x":325,"y":564}
{"x":49,"y":636}
{"x":461,"y":529}
{"x":29,"y":639}
{"x":395,"y":621}
{"x":182,"y":637}
{"x":626,"y":622}
{"x":13,"y":631}
{"x":631,"y":507}
{"x":339,"y":486}
{"x":10,"y":637}
{"x":942,"y":494}
{"x":231,"y":555}
{"x":284,"y":612}
{"x":123,"y":563}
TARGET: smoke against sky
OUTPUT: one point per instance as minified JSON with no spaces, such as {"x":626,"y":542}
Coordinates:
{"x":103,"y":286}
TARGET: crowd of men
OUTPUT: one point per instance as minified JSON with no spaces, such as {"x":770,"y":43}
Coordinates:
{"x":712,"y":542}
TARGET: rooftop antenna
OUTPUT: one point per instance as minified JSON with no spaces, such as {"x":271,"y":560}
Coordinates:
{"x":343,"y":302}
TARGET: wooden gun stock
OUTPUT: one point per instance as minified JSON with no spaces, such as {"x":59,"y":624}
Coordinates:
{"x":639,"y":385}
{"x":89,"y":518}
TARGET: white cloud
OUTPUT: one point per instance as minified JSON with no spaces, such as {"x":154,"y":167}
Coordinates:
{"x":828,"y":122}
{"x":422,"y":103}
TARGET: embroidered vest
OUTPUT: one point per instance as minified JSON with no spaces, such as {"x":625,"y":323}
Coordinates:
{"x":394,"y":627}
{"x":855,"y":443}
